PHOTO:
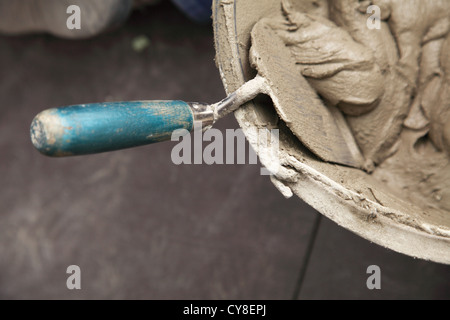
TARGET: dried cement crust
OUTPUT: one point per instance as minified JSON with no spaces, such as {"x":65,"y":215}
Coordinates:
{"x":350,"y":197}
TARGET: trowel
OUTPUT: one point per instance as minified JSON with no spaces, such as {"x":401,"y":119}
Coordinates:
{"x":100,"y":127}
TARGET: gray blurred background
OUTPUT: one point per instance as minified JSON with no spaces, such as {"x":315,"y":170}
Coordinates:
{"x":141,"y":227}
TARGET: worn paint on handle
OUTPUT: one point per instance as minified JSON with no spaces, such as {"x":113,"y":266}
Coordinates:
{"x":100,"y":127}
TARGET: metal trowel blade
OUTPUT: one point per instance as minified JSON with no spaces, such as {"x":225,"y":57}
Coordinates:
{"x":322,"y":130}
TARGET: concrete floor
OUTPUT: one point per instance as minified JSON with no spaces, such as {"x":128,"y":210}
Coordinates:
{"x":141,"y":227}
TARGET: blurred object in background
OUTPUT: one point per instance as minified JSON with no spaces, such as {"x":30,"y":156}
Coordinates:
{"x":141,"y":3}
{"x":197,"y":10}
{"x":97,"y":16}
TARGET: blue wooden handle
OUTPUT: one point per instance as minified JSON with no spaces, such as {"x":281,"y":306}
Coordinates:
{"x":100,"y":127}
